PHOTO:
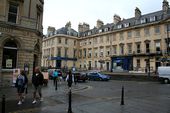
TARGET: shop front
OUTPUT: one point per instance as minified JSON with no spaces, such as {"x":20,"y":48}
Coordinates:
{"x":122,"y":63}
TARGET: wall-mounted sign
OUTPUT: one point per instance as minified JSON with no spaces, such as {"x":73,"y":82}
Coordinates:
{"x":8,"y":63}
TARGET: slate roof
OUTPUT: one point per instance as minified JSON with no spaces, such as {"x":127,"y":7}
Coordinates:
{"x":159,"y":16}
{"x":66,"y":31}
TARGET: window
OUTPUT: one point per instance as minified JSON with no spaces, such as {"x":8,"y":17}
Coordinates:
{"x":89,"y":33}
{"x":157,"y":29}
{"x":138,"y":63}
{"x":106,"y":29}
{"x":168,"y":27}
{"x":66,"y":51}
{"x":84,"y":52}
{"x":13,"y":13}
{"x":147,"y":32}
{"x":66,"y":41}
{"x":138,"y":48}
{"x":122,"y":49}
{"x":158,"y":46}
{"x":101,"y":39}
{"x":147,"y":48}
{"x":74,"y":52}
{"x":39,"y":21}
{"x":107,"y":38}
{"x":114,"y":50}
{"x":152,"y":19}
{"x":89,"y":54}
{"x":143,"y":21}
{"x":9,"y":55}
{"x":114,"y":37}
{"x":100,"y":30}
{"x":95,"y":64}
{"x":59,"y":52}
{"x":129,"y":48}
{"x":74,"y":42}
{"x":121,"y":36}
{"x":119,"y":26}
{"x":59,"y":40}
{"x":129,"y":34}
{"x":96,"y":53}
{"x":126,"y":24}
{"x":95,"y":40}
{"x":80,"y":53}
{"x":108,"y":52}
{"x":101,"y":52}
{"x":137,"y":33}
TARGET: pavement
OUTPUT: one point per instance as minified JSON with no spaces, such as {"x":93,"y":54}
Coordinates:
{"x":51,"y":98}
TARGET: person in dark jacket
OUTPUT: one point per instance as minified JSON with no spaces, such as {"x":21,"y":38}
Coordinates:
{"x":20,"y":84}
{"x":37,"y":81}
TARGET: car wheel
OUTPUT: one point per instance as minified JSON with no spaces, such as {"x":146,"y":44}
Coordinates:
{"x":166,"y":81}
{"x":100,"y":79}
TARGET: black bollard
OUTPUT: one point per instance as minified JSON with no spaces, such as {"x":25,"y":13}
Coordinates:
{"x":56,"y":85}
{"x":69,"y":101}
{"x":122,"y":96}
{"x":3,"y":104}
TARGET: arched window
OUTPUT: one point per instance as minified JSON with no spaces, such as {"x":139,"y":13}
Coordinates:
{"x":9,"y":55}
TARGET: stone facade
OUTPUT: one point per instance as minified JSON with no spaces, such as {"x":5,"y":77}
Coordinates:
{"x":20,"y":35}
{"x":140,"y":43}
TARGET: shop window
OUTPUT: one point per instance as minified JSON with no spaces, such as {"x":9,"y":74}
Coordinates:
{"x":9,"y":55}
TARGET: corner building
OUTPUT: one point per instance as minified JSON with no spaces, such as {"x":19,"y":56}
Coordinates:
{"x":140,"y":43}
{"x":20,"y":35}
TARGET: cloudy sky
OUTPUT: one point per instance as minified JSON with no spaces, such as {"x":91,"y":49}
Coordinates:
{"x":58,"y":12}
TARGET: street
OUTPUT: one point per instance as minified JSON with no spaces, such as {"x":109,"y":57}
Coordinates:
{"x":96,"y":97}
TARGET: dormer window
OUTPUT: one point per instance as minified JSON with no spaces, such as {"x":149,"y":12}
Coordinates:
{"x":119,"y":26}
{"x":127,"y":24}
{"x":106,"y":29}
{"x":89,"y":33}
{"x":153,"y":18}
{"x":143,"y":20}
{"x":100,"y":30}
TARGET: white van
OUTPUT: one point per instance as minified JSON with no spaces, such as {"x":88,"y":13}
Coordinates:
{"x":164,"y":74}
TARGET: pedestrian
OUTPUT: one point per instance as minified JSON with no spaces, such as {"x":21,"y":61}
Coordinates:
{"x":55,"y":76}
{"x":20,"y":84}
{"x":26,"y":85}
{"x":70,"y":78}
{"x":37,"y":81}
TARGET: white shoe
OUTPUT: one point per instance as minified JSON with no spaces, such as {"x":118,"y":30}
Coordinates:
{"x":34,"y":102}
{"x":19,"y":103}
{"x":41,"y":99}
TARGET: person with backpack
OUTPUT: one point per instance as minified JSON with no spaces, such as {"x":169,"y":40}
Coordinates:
{"x":37,"y":81}
{"x":55,"y":77}
{"x":20,"y":84}
{"x":25,"y":86}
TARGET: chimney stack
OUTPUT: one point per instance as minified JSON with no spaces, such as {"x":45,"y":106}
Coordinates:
{"x":99,"y":23}
{"x":116,"y":19}
{"x":50,"y":31}
{"x":137,"y":13}
{"x":165,"y":6}
{"x":83,"y":27}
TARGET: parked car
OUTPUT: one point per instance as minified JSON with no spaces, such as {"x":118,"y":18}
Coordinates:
{"x":98,"y":76}
{"x":79,"y":76}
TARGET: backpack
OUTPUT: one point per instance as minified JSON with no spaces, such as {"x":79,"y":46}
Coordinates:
{"x":20,"y":81}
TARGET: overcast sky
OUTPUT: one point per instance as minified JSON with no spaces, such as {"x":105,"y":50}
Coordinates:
{"x":58,"y":12}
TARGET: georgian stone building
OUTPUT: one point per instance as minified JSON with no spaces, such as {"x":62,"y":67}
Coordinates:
{"x":20,"y":35}
{"x":60,"y":47}
{"x":140,"y":43}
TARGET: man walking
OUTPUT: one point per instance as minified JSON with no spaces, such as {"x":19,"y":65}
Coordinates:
{"x":37,"y":81}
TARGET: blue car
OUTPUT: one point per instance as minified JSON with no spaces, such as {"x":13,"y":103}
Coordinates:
{"x":98,"y":76}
